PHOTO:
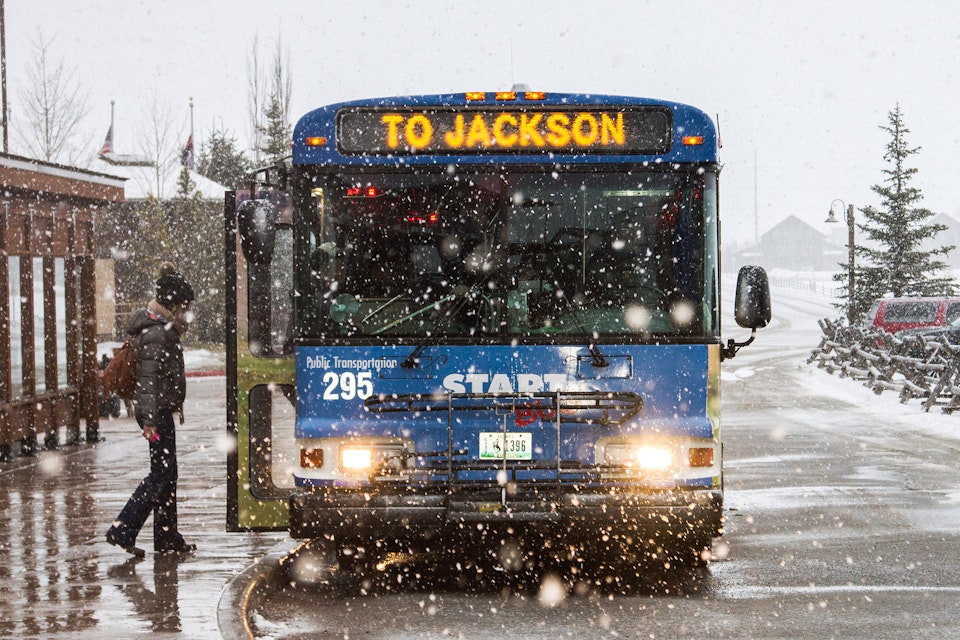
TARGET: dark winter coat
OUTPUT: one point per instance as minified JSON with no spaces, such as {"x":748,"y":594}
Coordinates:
{"x":161,"y":383}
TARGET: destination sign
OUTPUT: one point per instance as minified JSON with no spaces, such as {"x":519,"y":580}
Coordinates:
{"x":461,"y":130}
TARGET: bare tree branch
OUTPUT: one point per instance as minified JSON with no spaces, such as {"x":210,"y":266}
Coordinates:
{"x":53,"y":110}
{"x":282,"y":83}
{"x":256,"y":95}
{"x":158,"y":143}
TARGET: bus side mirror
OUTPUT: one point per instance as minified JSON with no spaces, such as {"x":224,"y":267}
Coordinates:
{"x":752,"y":308}
{"x":257,"y":224}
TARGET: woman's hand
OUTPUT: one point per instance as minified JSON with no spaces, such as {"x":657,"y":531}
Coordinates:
{"x":150,"y":433}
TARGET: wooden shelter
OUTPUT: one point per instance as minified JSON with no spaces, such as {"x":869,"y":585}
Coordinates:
{"x":48,"y":325}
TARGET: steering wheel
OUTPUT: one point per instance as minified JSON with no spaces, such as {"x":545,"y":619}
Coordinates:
{"x":659,"y":294}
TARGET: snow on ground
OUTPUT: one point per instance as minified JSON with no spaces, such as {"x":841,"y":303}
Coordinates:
{"x":877,"y":408}
{"x":799,"y":300}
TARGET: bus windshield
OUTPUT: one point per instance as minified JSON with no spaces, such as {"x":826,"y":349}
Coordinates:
{"x":509,"y":254}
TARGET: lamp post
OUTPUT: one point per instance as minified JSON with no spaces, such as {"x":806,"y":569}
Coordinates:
{"x":850,"y":260}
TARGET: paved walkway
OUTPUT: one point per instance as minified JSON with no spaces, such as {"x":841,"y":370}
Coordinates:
{"x":60,"y":579}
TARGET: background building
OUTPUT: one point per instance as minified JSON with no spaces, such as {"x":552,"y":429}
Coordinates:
{"x":791,"y":245}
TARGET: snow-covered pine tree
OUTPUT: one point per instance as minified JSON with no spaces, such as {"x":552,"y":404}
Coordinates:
{"x":222,"y":161}
{"x":277,"y":133}
{"x":890,"y":260}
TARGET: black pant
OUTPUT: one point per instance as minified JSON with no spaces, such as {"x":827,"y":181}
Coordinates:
{"x":157,"y":492}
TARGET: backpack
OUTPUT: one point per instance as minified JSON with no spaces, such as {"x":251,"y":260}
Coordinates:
{"x":120,"y":376}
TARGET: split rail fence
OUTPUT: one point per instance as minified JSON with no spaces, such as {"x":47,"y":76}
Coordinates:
{"x":926,"y":370}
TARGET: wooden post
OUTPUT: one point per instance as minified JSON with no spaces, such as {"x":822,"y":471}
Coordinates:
{"x":71,"y":272}
{"x":49,"y":415}
{"x":28,"y":353}
{"x":6,"y":381}
{"x":90,"y":383}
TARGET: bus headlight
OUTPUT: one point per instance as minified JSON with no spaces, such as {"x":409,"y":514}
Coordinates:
{"x":354,"y":459}
{"x":658,"y":459}
{"x":652,"y":458}
{"x":363,"y":457}
{"x":646,"y":457}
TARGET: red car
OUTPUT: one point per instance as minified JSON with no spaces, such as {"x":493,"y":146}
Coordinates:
{"x":897,"y":314}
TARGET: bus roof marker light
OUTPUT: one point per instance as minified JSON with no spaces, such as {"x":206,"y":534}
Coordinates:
{"x":506,"y":95}
{"x":315,"y":141}
{"x":692,"y":140}
{"x":476,"y":95}
{"x":534,"y":95}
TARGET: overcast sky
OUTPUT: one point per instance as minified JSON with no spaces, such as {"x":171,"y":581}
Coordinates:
{"x":800,"y":88}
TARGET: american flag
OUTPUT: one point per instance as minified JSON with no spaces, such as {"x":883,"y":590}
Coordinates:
{"x":108,"y":142}
{"x":186,"y":157}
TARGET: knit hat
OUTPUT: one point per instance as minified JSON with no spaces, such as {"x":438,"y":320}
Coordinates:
{"x":172,"y":288}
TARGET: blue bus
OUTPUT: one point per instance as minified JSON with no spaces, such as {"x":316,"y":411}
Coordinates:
{"x":480,"y":314}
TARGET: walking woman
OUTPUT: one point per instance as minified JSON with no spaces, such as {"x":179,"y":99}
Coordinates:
{"x":161,"y":388}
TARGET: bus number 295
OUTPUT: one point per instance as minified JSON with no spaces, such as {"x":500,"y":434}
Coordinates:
{"x":347,"y":385}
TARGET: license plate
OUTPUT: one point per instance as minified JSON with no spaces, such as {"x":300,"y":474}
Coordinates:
{"x":510,"y":446}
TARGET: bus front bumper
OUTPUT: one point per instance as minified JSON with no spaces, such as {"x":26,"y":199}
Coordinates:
{"x":358,"y":515}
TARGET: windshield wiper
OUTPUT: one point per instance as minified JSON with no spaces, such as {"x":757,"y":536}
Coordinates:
{"x":412,"y":361}
{"x":414,"y":314}
{"x":596,"y":357}
{"x":383,"y":306}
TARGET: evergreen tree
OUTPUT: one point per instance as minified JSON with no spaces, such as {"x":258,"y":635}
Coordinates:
{"x":198,"y":226}
{"x":185,"y":184}
{"x":277,"y":132}
{"x":186,"y":230}
{"x":890,"y":260}
{"x":137,"y":237}
{"x":221,"y":161}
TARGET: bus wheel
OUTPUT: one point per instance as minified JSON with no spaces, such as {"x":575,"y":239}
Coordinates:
{"x":694,"y":552}
{"x":312,"y":566}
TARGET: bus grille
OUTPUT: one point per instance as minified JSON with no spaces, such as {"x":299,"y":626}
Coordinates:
{"x":453,"y":467}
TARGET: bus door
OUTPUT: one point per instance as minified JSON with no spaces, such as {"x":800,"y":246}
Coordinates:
{"x":261,"y":393}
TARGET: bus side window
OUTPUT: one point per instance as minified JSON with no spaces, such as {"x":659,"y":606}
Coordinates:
{"x":281,"y":294}
{"x":270,"y":300}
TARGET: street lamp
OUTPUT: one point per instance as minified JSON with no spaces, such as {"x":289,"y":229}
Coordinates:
{"x":850,"y":245}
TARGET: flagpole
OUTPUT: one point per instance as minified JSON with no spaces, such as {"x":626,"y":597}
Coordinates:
{"x":191,"y":134}
{"x":3,"y":73}
{"x":186,"y":156}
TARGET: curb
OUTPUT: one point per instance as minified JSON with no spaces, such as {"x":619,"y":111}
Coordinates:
{"x":238,"y":595}
{"x":207,"y":373}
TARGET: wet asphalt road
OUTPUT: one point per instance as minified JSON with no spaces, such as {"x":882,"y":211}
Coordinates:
{"x":841,"y":523}
{"x":60,"y":579}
